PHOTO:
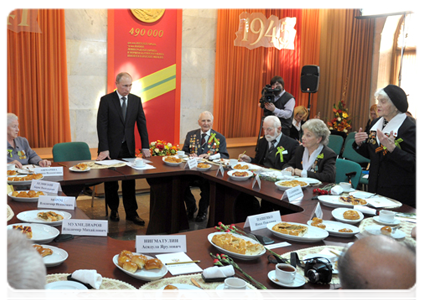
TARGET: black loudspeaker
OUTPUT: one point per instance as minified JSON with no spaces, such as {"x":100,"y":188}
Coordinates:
{"x":310,"y":75}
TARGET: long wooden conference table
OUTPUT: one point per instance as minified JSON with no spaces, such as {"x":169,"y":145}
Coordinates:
{"x":167,"y":215}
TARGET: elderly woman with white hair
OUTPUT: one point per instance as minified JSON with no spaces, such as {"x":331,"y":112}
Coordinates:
{"x":18,"y":150}
{"x":391,"y":147}
{"x":313,"y":158}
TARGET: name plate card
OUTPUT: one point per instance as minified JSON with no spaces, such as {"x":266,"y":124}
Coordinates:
{"x":85,"y":227}
{"x":191,"y":163}
{"x":49,"y":171}
{"x":260,"y":221}
{"x":294,"y":193}
{"x":258,"y":180}
{"x":220,"y":170}
{"x":318,"y":211}
{"x":160,"y":243}
{"x":56,"y":202}
{"x":48,"y":187}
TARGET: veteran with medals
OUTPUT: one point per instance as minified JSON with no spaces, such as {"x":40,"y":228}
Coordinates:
{"x":203,"y":143}
{"x":391,"y":147}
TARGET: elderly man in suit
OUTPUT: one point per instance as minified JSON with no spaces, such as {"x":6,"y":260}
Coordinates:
{"x":203,"y":142}
{"x":118,"y":113}
{"x":273,"y":151}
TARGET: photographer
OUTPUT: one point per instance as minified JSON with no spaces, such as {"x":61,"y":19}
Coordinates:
{"x":278,"y":102}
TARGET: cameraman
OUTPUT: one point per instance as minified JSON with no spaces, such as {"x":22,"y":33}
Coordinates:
{"x":282,"y":106}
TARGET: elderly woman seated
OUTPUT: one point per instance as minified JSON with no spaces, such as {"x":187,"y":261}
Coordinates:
{"x":313,"y":158}
{"x":18,"y":150}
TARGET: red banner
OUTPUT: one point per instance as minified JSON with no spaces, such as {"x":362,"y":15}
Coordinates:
{"x":146,"y":43}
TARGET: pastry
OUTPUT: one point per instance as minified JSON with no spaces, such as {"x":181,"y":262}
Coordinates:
{"x":292,"y":183}
{"x":386,"y":230}
{"x":203,"y":165}
{"x":153,"y":263}
{"x":50,"y":216}
{"x":43,"y":251}
{"x":139,"y":260}
{"x":291,"y":229}
{"x":81,"y":166}
{"x":319,"y":225}
{"x":11,"y":172}
{"x":170,"y":292}
{"x":345,"y":230}
{"x":240,"y":174}
{"x":130,"y":267}
{"x":27,"y":230}
{"x":351,"y":215}
{"x":317,"y":220}
{"x":236,"y":244}
{"x":123,"y":259}
{"x":173,"y":159}
{"x":352,"y":200}
{"x":240,"y":167}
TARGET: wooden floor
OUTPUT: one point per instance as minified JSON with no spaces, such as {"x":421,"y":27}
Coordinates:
{"x":127,"y":230}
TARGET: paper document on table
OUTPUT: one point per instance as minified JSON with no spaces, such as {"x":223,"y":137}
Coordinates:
{"x":179,"y":268}
{"x":108,"y":162}
{"x":278,"y":245}
{"x":132,"y":159}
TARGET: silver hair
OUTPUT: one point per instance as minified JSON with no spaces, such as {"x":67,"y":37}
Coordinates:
{"x":25,"y":266}
{"x":122,"y":74}
{"x":11,"y":117}
{"x":276,"y":121}
{"x":206,"y":112}
{"x":319,"y":128}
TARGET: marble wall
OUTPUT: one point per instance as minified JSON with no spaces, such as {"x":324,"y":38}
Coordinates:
{"x":86,"y":45}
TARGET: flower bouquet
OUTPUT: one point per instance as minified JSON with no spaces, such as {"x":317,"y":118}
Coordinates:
{"x":160,"y":148}
{"x":341,"y":121}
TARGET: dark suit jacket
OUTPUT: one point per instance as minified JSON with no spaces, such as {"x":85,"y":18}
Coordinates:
{"x":111,"y":128}
{"x":193,"y":141}
{"x":393,"y":174}
{"x":326,"y":171}
{"x":286,"y":142}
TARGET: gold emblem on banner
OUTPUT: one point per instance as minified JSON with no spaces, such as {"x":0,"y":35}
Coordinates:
{"x":148,"y":15}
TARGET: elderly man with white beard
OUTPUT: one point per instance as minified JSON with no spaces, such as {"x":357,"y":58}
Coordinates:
{"x":275,"y":149}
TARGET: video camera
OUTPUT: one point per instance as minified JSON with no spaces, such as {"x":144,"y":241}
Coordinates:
{"x":268,"y":94}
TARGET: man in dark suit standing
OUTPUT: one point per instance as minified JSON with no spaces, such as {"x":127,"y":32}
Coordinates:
{"x":117,"y":114}
{"x":203,"y":142}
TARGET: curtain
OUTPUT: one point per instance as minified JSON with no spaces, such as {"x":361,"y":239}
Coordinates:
{"x":241,"y":74}
{"x":37,"y":88}
{"x":346,"y":49}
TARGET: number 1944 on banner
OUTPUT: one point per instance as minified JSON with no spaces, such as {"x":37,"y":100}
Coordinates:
{"x":255,"y":30}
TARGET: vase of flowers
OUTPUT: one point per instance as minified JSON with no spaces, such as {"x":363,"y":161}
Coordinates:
{"x":160,"y":148}
{"x":342,"y":121}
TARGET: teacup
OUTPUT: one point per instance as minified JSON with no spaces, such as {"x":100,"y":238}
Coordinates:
{"x":285,"y":273}
{"x":139,"y":162}
{"x":180,"y":153}
{"x":233,"y":283}
{"x":346,"y":186}
{"x":11,"y":166}
{"x":387,"y":216}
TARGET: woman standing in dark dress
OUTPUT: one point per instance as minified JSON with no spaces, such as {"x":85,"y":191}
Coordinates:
{"x":391,"y":147}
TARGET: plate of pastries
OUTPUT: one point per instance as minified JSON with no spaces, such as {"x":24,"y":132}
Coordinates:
{"x":172,"y":160}
{"x":341,"y":201}
{"x":25,"y":196}
{"x":334,"y":228}
{"x":52,"y":256}
{"x":81,"y":167}
{"x":237,"y":246}
{"x":297,"y":232}
{"x":347,"y":215}
{"x":203,"y":166}
{"x":24,"y":179}
{"x":140,"y":266}
{"x":37,"y":233}
{"x":240,"y":175}
{"x":287,"y":184}
{"x":48,"y":217}
{"x":385,"y":230}
{"x":241,"y":166}
{"x":180,"y":292}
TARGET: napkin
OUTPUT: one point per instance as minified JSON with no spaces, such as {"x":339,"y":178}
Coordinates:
{"x":336,"y":190}
{"x":90,"y":277}
{"x":216,"y":156}
{"x":365,"y":210}
{"x":219,"y":272}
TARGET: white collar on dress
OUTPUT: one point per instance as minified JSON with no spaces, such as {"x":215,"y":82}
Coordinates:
{"x":392,"y":125}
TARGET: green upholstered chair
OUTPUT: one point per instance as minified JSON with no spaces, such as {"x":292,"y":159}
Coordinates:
{"x":344,"y":167}
{"x":335,"y":143}
{"x":350,"y":154}
{"x":74,"y":151}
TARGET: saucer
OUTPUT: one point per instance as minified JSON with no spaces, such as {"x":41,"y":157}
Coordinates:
{"x":395,"y":222}
{"x":249,"y":295}
{"x":222,"y":286}
{"x":298,"y":281}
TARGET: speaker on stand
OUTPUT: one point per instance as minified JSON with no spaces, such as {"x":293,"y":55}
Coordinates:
{"x":310,"y":77}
